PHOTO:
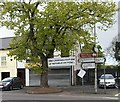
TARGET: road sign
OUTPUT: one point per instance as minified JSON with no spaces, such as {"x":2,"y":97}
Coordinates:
{"x":81,"y":73}
{"x":100,"y":60}
{"x":64,"y":61}
{"x":86,"y":60}
{"x":87,"y":55}
{"x":95,"y":60}
{"x":88,"y":65}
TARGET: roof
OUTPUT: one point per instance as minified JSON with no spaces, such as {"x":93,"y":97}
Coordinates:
{"x":4,"y":43}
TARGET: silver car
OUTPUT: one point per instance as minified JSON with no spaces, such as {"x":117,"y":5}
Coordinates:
{"x":108,"y":79}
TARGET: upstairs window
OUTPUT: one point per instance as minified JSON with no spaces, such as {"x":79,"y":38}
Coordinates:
{"x":3,"y":61}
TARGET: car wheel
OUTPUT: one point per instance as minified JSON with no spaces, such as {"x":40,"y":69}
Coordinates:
{"x":10,"y":87}
{"x":21,"y":86}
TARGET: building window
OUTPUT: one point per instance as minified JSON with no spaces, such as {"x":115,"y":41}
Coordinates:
{"x":3,"y":61}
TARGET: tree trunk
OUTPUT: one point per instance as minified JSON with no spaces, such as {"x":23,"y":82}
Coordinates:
{"x":44,"y":75}
{"x":44,"y":80}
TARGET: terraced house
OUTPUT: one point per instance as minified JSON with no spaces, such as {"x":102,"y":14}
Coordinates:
{"x":7,"y":64}
{"x":10,"y":67}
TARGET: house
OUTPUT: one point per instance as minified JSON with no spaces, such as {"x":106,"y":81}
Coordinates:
{"x":7,"y":64}
{"x":10,"y":67}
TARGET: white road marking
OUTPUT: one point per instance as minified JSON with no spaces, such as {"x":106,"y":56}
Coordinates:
{"x":117,"y":94}
{"x":113,"y":98}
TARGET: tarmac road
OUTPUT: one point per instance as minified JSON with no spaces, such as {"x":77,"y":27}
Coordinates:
{"x":69,"y":93}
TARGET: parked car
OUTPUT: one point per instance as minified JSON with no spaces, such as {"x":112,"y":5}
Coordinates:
{"x":10,"y":83}
{"x":108,"y":79}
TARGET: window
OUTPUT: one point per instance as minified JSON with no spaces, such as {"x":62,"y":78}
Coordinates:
{"x":3,"y":61}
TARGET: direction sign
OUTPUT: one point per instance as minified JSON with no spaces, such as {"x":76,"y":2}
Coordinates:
{"x":64,"y":61}
{"x":88,"y":65}
{"x":95,"y":60}
{"x":87,"y":55}
{"x":100,"y":60}
{"x":85,"y":60}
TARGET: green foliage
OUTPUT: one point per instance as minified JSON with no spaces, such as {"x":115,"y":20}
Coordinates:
{"x":113,"y":66}
{"x":38,"y":70}
{"x":59,"y":25}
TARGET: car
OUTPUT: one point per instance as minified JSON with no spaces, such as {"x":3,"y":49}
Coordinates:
{"x":10,"y":83}
{"x":108,"y":79}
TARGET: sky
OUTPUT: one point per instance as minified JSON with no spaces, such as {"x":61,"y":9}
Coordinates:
{"x":104,"y":37}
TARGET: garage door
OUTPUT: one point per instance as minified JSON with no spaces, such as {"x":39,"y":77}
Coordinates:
{"x":56,"y":77}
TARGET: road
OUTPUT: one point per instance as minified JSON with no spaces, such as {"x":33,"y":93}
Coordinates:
{"x":23,"y":96}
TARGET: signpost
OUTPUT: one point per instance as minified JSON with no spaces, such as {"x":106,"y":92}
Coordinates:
{"x":88,"y":61}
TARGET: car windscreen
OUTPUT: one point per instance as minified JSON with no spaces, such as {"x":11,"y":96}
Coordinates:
{"x":107,"y":77}
{"x":7,"y":80}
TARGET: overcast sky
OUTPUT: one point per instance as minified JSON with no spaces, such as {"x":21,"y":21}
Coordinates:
{"x":104,"y":37}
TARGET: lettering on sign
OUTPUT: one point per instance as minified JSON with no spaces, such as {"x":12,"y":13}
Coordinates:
{"x":100,"y":60}
{"x":95,"y":60}
{"x":88,"y":65}
{"x":87,"y":55}
{"x":87,"y":60}
{"x":65,"y":61}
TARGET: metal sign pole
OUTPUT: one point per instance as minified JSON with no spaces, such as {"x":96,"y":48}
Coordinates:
{"x":95,"y":49}
{"x":95,"y":78}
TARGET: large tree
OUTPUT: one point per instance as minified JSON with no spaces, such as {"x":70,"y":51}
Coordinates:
{"x":40,"y":28}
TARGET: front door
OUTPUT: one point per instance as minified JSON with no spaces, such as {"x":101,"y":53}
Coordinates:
{"x":21,"y":74}
{"x":5,"y":75}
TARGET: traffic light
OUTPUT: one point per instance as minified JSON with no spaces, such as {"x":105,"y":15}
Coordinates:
{"x":117,"y":51}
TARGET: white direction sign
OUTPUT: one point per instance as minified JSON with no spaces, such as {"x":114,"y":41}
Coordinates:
{"x":87,"y":60}
{"x":95,"y":60}
{"x":100,"y":60}
{"x":64,"y":61}
{"x":88,"y":65}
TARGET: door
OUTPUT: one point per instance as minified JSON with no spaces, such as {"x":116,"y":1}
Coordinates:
{"x":5,"y":75}
{"x":21,"y":74}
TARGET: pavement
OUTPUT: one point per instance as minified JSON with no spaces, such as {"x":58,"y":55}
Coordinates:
{"x":74,"y":90}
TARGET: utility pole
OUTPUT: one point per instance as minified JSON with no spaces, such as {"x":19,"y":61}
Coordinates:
{"x":96,"y":51}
